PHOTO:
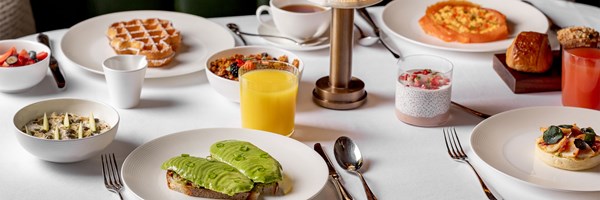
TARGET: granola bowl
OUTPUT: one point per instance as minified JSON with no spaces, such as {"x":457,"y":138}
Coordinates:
{"x":42,"y":130}
{"x":219,"y":73}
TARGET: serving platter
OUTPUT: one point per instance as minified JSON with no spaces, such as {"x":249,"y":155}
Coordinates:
{"x":506,"y":143}
{"x":401,"y":19}
{"x":305,"y":172}
{"x":87,"y":45}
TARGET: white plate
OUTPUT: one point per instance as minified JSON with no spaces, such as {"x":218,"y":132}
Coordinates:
{"x":506,"y":142}
{"x":86,"y":44}
{"x":401,"y":18}
{"x":269,"y":29}
{"x":142,"y":174}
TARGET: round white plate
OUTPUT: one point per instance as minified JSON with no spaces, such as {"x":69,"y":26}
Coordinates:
{"x":301,"y":165}
{"x":269,"y":29}
{"x":86,"y":44}
{"x":506,"y":142}
{"x":401,"y":18}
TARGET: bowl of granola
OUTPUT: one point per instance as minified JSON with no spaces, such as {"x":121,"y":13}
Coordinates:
{"x":65,"y":130}
{"x":222,"y":67}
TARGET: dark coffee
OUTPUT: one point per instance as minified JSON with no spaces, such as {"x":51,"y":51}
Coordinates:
{"x":302,"y":8}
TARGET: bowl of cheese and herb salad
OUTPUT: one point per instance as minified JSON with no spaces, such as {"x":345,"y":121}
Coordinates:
{"x":234,"y":170}
{"x":65,"y":130}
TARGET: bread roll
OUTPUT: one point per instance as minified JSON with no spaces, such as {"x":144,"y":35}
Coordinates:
{"x":578,"y":36}
{"x":529,"y":52}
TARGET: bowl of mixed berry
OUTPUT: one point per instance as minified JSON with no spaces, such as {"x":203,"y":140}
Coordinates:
{"x":23,"y":64}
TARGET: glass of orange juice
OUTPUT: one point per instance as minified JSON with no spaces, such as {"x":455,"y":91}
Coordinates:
{"x":268,"y":91}
{"x":581,"y":77}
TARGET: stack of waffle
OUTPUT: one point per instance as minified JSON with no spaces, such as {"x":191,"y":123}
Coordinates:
{"x":154,"y":38}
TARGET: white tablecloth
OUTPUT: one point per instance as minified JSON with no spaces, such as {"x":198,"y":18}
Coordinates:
{"x":401,"y":161}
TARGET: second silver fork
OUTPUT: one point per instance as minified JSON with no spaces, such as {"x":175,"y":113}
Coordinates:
{"x":110,"y":172}
{"x":455,"y":151}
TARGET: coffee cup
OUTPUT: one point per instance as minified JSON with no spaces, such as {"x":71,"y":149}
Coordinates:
{"x":298,"y":19}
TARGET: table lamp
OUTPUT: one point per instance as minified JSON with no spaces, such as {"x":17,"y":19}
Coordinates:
{"x":339,"y":90}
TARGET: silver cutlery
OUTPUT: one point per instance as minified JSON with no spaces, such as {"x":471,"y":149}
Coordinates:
{"x":235,"y":29}
{"x":365,"y":40}
{"x":333,"y":174}
{"x":349,"y":157}
{"x":365,"y":15}
{"x":54,"y":68}
{"x":110,"y":172}
{"x":310,"y":42}
{"x":469,"y":110}
{"x":456,"y":152}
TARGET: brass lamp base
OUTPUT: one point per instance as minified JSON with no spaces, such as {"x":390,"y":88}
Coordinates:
{"x":346,"y":98}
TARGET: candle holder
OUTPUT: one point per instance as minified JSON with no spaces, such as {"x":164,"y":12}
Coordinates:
{"x":340,"y":90}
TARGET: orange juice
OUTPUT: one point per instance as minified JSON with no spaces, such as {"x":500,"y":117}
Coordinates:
{"x":581,"y":78}
{"x":268,"y":100}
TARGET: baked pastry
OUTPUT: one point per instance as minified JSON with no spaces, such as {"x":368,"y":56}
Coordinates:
{"x":529,"y":52}
{"x":154,"y":38}
{"x":568,"y":147}
{"x":464,"y":22}
{"x":578,"y":36}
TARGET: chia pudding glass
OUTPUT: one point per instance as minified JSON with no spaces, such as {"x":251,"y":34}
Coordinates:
{"x":423,"y":90}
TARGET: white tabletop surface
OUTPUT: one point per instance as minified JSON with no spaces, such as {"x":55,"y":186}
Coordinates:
{"x":401,"y":161}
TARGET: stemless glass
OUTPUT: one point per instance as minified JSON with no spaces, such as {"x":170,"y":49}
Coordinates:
{"x":581,"y":77}
{"x":268,"y":91}
{"x":423,"y":90}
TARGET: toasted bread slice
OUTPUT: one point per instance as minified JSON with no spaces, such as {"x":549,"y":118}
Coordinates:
{"x":177,"y":183}
{"x":464,"y":22}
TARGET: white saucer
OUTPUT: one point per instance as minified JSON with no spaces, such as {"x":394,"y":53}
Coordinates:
{"x":269,"y":29}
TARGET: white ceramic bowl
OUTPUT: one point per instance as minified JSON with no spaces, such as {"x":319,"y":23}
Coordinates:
{"x":19,"y":79}
{"x":65,"y":151}
{"x":230,"y":88}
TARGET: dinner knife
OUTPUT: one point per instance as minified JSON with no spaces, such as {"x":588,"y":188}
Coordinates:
{"x":58,"y":77}
{"x":333,"y":174}
{"x":389,"y":46}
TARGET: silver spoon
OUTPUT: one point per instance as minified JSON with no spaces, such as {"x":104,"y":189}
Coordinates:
{"x":365,"y":40}
{"x":310,"y":42}
{"x":348,"y":156}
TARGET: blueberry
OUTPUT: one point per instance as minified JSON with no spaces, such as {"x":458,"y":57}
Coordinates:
{"x":32,"y":55}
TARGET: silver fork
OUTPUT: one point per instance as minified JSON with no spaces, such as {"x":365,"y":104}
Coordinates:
{"x":110,"y":172}
{"x":455,"y":151}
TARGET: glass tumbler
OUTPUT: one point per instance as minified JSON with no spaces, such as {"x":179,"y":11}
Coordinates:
{"x":423,"y":90}
{"x":268,"y":91}
{"x":581,"y":77}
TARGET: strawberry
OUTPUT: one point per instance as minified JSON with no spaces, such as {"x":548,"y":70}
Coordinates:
{"x":41,"y":55}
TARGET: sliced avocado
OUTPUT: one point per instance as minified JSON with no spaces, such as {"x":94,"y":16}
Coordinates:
{"x":66,"y":121}
{"x":80,"y":130}
{"x":252,"y":161}
{"x":92,"y":122}
{"x":209,"y":174}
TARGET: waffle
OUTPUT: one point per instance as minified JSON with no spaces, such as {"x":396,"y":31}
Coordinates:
{"x":154,"y":38}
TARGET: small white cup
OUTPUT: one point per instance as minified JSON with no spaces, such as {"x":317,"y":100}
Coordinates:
{"x":292,"y":20}
{"x":125,"y":76}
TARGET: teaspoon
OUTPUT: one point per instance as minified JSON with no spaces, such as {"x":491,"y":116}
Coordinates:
{"x":314,"y":41}
{"x":365,"y":40}
{"x":349,"y":157}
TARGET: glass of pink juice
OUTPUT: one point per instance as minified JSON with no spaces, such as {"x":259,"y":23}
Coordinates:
{"x":423,"y":90}
{"x":581,"y":77}
{"x":268,"y":91}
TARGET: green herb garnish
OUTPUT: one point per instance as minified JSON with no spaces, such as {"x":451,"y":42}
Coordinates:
{"x":552,"y":135}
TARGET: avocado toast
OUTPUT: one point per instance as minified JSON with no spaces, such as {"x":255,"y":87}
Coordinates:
{"x":234,"y":170}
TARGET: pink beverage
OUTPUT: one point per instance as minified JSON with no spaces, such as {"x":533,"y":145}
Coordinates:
{"x":423,"y":94}
{"x":581,"y":78}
